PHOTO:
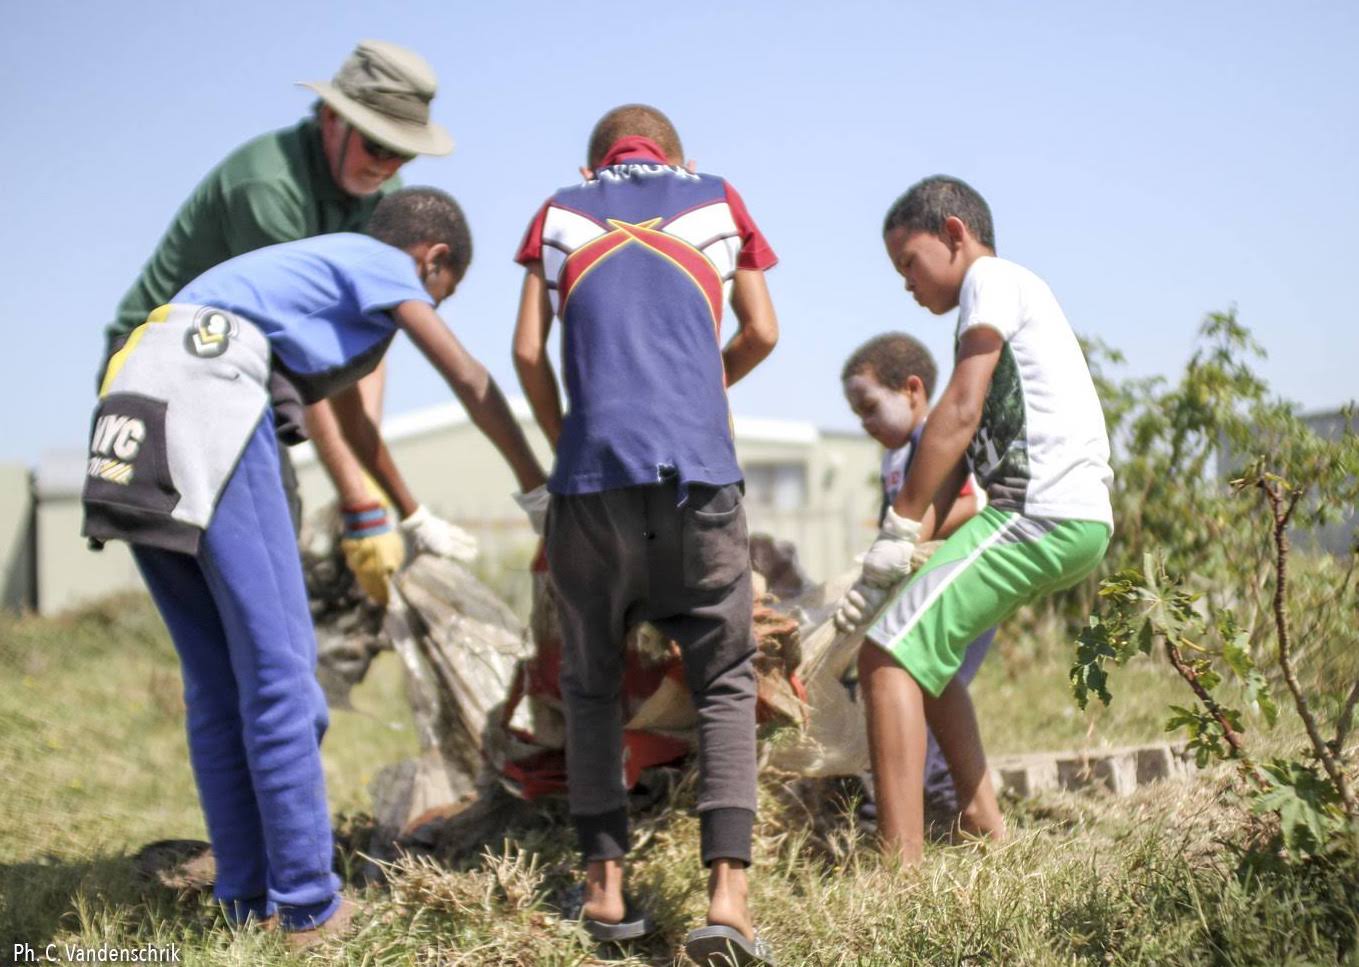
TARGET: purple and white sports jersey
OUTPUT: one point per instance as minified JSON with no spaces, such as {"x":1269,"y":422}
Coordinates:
{"x":639,"y":262}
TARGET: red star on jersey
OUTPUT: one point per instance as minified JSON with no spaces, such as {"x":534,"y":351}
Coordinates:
{"x":676,"y":251}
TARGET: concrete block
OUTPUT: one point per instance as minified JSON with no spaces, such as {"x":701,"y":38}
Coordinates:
{"x":1030,"y":777}
{"x":1116,"y":772}
{"x":1156,"y":762}
{"x":1074,"y":772}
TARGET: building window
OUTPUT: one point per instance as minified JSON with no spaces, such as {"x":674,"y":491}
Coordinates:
{"x":781,"y":486}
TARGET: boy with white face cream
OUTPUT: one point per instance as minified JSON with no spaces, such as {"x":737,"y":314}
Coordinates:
{"x":888,"y":382}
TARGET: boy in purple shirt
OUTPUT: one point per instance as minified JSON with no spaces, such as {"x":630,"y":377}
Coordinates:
{"x":646,"y":521}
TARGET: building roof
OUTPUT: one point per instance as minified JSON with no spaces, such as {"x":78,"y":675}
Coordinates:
{"x":445,"y":416}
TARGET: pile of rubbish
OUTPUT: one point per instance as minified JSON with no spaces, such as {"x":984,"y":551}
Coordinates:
{"x":485,"y":696}
{"x":484,"y":687}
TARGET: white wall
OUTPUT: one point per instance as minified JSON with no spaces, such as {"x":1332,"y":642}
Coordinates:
{"x":17,"y":543}
{"x":451,"y":467}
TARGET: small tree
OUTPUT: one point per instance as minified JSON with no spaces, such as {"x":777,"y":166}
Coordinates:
{"x":1212,"y":577}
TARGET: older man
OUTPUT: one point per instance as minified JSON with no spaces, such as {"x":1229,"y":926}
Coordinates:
{"x":324,"y":174}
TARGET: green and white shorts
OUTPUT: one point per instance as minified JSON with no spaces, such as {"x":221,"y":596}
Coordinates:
{"x":992,"y":566}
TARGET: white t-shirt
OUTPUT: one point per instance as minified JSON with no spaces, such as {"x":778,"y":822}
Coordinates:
{"x":1041,"y":447}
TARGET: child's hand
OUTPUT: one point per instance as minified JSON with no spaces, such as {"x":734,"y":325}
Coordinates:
{"x":373,"y":551}
{"x":888,"y":561}
{"x":858,"y":605}
{"x":535,"y":503}
{"x":434,"y":535}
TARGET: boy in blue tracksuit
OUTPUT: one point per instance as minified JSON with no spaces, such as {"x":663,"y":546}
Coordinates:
{"x":184,"y":465}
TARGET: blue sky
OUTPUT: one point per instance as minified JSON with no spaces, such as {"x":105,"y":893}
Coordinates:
{"x":1153,"y":162}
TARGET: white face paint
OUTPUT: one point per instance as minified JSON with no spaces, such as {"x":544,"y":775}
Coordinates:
{"x":888,"y":416}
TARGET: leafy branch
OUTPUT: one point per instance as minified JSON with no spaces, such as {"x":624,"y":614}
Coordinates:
{"x":1216,"y":582}
{"x":1283,"y":501}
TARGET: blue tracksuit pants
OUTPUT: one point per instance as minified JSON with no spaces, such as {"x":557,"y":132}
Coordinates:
{"x":238,"y":614}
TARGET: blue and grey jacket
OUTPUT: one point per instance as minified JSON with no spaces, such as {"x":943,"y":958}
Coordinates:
{"x":176,"y":409}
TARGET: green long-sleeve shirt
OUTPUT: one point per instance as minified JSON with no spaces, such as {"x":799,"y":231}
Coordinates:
{"x":276,"y":188}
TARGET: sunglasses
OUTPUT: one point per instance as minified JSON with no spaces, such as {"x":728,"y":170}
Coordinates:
{"x":380,"y":152}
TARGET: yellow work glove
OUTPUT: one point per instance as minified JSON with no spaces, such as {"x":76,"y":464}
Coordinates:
{"x":373,"y":550}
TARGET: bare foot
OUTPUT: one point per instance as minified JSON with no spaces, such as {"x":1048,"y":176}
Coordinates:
{"x":604,"y":892}
{"x":727,"y":891}
{"x":993,"y":829}
{"x":340,"y":922}
{"x":982,"y":817}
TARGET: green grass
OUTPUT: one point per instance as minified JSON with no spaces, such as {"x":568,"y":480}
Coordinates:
{"x":1024,"y":701}
{"x":93,"y":755}
{"x":92,"y":739}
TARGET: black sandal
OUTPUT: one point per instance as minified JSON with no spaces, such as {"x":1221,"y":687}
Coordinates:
{"x":718,"y":946}
{"x":634,"y":925}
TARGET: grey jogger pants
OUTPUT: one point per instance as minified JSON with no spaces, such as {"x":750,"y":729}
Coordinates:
{"x":629,"y":555}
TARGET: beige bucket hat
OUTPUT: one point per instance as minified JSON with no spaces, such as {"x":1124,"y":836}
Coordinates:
{"x":384,"y":91}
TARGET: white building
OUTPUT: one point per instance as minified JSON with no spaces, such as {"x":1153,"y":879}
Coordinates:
{"x":815,"y":488}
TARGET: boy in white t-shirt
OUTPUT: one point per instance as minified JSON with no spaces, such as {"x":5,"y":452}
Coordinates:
{"x":1021,"y":413}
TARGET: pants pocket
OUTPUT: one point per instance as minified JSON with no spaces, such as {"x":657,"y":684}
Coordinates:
{"x":128,"y":463}
{"x":714,"y":540}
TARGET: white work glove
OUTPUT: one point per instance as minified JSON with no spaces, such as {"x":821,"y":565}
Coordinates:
{"x":535,"y":503}
{"x":859,"y":604}
{"x":434,"y":535}
{"x":888,"y":561}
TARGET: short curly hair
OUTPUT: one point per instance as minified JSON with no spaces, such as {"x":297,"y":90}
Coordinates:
{"x":411,"y":216}
{"x":892,"y":359}
{"x":642,"y":120}
{"x":928,"y":203}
